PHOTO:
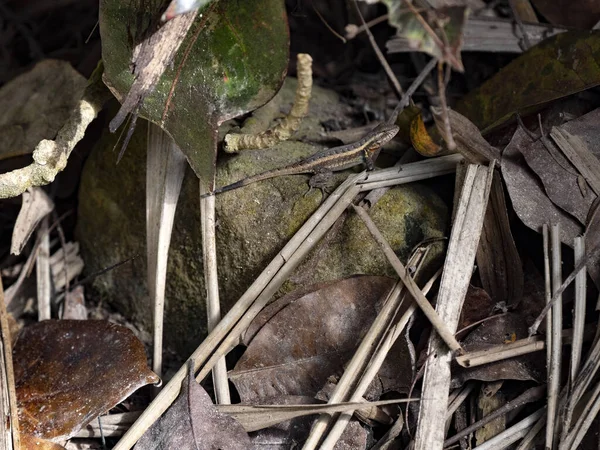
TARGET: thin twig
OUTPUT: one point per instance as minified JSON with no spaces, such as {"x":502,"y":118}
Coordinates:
{"x":322,"y":19}
{"x":386,"y":67}
{"x":530,"y":395}
{"x":10,"y":374}
{"x":213,"y":306}
{"x":444,"y":105}
{"x":554,"y":371}
{"x":412,"y":287}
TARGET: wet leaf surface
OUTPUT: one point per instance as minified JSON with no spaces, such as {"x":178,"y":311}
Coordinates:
{"x":232,"y":61}
{"x":559,"y":66}
{"x":497,"y":331}
{"x":311,"y":337}
{"x":193,"y":422}
{"x":68,"y":372}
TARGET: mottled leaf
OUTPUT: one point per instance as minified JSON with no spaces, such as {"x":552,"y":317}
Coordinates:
{"x":559,"y":66}
{"x":193,"y":423}
{"x":67,"y":372}
{"x":310,"y":338}
{"x":493,"y":332}
{"x":233,"y":60}
{"x":529,"y":200}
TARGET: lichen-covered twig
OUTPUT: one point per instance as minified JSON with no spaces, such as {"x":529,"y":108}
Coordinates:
{"x":289,"y":125}
{"x":50,"y":157}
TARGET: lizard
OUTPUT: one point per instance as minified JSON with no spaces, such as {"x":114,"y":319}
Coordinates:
{"x":364,"y":151}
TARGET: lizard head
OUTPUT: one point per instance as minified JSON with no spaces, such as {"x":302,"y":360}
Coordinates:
{"x":384,"y":133}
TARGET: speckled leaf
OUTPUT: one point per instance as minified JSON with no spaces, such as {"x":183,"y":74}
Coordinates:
{"x":233,"y":60}
{"x":559,"y":66}
{"x":326,"y":320}
{"x":68,"y":372}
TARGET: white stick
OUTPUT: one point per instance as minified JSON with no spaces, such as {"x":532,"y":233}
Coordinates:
{"x":165,"y":167}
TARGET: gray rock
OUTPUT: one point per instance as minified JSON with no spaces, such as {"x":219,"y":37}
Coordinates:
{"x":253,"y":225}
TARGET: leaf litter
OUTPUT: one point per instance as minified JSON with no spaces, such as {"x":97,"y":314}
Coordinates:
{"x":298,"y":347}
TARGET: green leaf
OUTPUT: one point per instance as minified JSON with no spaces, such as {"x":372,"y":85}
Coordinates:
{"x":559,"y":66}
{"x":232,"y":61}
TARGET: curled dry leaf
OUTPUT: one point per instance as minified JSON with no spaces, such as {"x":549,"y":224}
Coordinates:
{"x":529,"y":200}
{"x":493,"y":332}
{"x":311,"y":337}
{"x":193,"y":423}
{"x":68,"y":372}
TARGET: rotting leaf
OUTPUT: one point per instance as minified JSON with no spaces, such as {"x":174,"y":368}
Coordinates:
{"x":233,"y":60}
{"x":493,"y":332}
{"x":311,"y":338}
{"x":559,"y":66}
{"x":67,"y":372}
{"x":529,"y":200}
{"x":193,"y":423}
{"x":441,"y":37}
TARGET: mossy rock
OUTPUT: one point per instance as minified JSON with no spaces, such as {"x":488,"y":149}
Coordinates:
{"x":253,"y":224}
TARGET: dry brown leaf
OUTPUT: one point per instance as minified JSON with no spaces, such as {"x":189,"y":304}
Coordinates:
{"x":469,"y":141}
{"x":67,"y":372}
{"x":529,"y":200}
{"x":561,"y":180}
{"x":311,"y":338}
{"x":497,"y":331}
{"x":498,"y":261}
{"x":31,"y":442}
{"x":193,"y":423}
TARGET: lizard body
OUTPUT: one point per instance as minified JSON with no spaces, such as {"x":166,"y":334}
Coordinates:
{"x":364,"y":151}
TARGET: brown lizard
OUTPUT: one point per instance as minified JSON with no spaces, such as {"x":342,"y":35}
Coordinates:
{"x":364,"y":151}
